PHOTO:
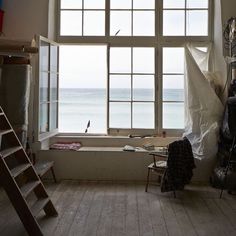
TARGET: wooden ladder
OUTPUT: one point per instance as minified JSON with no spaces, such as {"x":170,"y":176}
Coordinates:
{"x":20,"y":181}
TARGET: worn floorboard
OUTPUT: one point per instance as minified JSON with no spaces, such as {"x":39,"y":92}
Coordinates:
{"x":124,"y":209}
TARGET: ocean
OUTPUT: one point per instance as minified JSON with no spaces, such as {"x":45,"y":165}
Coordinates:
{"x":79,"y":106}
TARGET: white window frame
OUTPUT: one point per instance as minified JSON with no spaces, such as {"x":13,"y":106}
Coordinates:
{"x":83,"y":10}
{"x":125,"y":131}
{"x":37,"y":135}
{"x":158,"y":42}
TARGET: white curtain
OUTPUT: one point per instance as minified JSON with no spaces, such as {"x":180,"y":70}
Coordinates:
{"x":203,"y":110}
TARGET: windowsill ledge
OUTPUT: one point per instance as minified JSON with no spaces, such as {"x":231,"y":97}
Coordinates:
{"x":106,"y":143}
{"x":100,"y":149}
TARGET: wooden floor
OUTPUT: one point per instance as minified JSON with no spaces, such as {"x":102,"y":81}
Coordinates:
{"x":125,"y":209}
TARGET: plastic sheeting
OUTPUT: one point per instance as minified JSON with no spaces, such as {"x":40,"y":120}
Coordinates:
{"x":14,"y":97}
{"x":204,"y":109}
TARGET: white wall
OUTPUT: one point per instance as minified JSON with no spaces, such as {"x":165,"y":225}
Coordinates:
{"x":228,"y":9}
{"x":219,"y":62}
{"x":25,"y":18}
{"x":108,"y":165}
{"x":222,"y":12}
{"x":52,"y":19}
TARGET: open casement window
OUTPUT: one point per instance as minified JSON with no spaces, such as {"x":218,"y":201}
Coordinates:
{"x":47,"y":74}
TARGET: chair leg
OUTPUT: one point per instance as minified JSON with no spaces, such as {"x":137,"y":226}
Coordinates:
{"x":53,"y":174}
{"x":147,"y":183}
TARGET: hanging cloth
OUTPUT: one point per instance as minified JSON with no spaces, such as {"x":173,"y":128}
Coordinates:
{"x":203,"y":110}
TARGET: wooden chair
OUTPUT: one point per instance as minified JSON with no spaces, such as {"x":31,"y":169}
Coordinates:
{"x":174,"y":168}
{"x":158,"y":167}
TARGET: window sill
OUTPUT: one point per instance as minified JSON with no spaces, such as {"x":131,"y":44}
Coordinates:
{"x":100,"y":149}
{"x":110,"y":143}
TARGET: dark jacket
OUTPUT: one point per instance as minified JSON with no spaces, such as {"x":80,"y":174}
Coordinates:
{"x":180,"y":164}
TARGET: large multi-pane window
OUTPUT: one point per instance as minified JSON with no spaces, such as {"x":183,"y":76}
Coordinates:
{"x":140,"y":65}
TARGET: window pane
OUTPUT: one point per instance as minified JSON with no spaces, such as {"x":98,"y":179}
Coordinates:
{"x":120,"y":24}
{"x":94,"y":4}
{"x":83,"y":80}
{"x":143,"y":87}
{"x":80,"y":106}
{"x":144,"y":4}
{"x":173,"y":60}
{"x":197,"y":23}
{"x":143,"y":60}
{"x":120,"y":115}
{"x":53,"y":87}
{"x":173,"y":4}
{"x":143,"y":115}
{"x":197,"y":3}
{"x":120,"y":60}
{"x":173,"y":115}
{"x":173,"y":22}
{"x":43,"y":85}
{"x":94,"y":23}
{"x":44,"y":56}
{"x":120,"y":87}
{"x":53,"y":58}
{"x":71,"y":4}
{"x":173,"y":88}
{"x":71,"y":23}
{"x":144,"y":23}
{"x":118,"y":4}
{"x":43,"y":118}
{"x":53,"y":116}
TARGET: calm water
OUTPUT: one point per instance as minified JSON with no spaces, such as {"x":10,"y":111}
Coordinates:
{"x":78,"y":106}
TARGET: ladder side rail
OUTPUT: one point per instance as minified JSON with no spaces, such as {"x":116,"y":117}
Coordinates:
{"x":18,"y":201}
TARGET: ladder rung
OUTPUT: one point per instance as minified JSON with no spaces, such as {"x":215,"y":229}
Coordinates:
{"x":1,"y":113}
{"x":2,"y":132}
{"x":29,"y":187}
{"x":39,"y":205}
{"x":9,"y":151}
{"x":19,"y":169}
{"x":41,"y":167}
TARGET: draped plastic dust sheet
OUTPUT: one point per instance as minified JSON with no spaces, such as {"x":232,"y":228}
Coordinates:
{"x":203,"y":110}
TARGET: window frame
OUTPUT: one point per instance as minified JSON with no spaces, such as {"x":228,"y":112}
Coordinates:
{"x":125,"y":131}
{"x":39,"y":136}
{"x":158,"y":41}
{"x":82,"y":10}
